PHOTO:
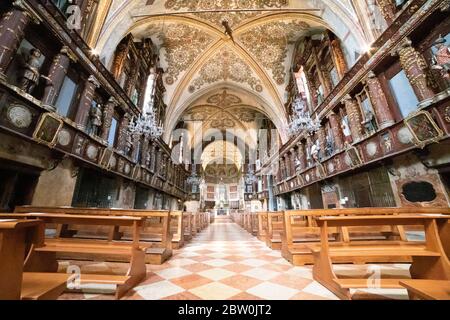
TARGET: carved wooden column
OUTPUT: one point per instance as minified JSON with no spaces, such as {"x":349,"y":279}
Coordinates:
{"x":415,"y":68}
{"x":301,"y":155}
{"x":12,"y":32}
{"x":136,"y":140}
{"x":287,"y":163}
{"x":322,"y":137}
{"x":57,"y":73}
{"x":379,"y":101}
{"x":292,"y":160}
{"x":335,"y":123}
{"x":152,"y":151}
{"x":145,"y":157}
{"x":123,"y":132}
{"x":119,"y":59}
{"x":308,"y":146}
{"x":108,"y":113}
{"x":312,"y":88}
{"x":324,"y":80}
{"x":387,"y":9}
{"x":338,"y":57}
{"x":85,"y":103}
{"x":354,"y":118}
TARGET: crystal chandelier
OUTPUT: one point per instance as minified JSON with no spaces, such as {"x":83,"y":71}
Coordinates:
{"x":301,"y":119}
{"x":194,"y":178}
{"x":250,"y":177}
{"x":146,"y":124}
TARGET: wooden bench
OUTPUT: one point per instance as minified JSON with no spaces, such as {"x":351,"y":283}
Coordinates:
{"x":155,"y":234}
{"x":301,"y":229}
{"x":187,"y":223}
{"x":427,"y":289}
{"x":45,"y":253}
{"x":429,"y":260}
{"x":275,"y":228}
{"x":177,"y":229}
{"x":16,"y":239}
{"x":262,"y":226}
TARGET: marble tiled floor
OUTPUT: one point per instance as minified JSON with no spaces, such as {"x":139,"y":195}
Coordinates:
{"x":224,"y":262}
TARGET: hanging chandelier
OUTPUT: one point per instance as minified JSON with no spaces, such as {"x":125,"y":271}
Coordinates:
{"x":301,"y":119}
{"x":194,"y":179}
{"x":250,"y":177}
{"x":147,"y":124}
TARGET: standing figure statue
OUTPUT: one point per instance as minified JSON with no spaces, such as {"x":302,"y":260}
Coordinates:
{"x":315,"y":149}
{"x":96,"y":115}
{"x":441,"y":58}
{"x":368,"y":121}
{"x":30,"y":77}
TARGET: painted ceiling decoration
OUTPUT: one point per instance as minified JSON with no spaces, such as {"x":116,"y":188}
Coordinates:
{"x":183,"y":44}
{"x":225,"y":65}
{"x":223,"y":111}
{"x":234,"y":18}
{"x":269,"y":44}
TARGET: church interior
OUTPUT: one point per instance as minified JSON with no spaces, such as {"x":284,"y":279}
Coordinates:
{"x":224,"y":150}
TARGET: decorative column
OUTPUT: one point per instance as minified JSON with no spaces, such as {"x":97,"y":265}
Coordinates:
{"x":292,"y":161}
{"x":152,"y":151}
{"x":301,"y":155}
{"x":338,"y":57}
{"x":354,"y":118}
{"x":108,"y":112}
{"x":379,"y":101}
{"x":387,"y":9}
{"x":322,"y":137}
{"x":308,"y":146}
{"x":335,"y":123}
{"x":56,"y":76}
{"x":287,"y":163}
{"x":136,"y":139}
{"x":415,"y":68}
{"x":119,"y":59}
{"x":323,"y":79}
{"x":12,"y":32}
{"x":85,"y":103}
{"x":123,"y":132}
{"x":145,"y":157}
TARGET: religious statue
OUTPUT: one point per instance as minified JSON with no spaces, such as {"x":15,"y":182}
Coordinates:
{"x":30,"y":77}
{"x":368,"y":121}
{"x":329,"y":146}
{"x":128,"y":144}
{"x":96,"y":115}
{"x":315,"y":149}
{"x":319,"y":97}
{"x":441,"y":58}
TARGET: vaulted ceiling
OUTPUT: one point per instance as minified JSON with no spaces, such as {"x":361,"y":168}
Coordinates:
{"x":198,"y":57}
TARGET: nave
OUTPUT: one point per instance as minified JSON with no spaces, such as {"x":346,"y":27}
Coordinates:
{"x":225,"y":262}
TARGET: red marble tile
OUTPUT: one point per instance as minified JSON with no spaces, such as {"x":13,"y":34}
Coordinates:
{"x":292,"y":281}
{"x":190,"y":281}
{"x":183,"y":296}
{"x":277,"y":267}
{"x":237,"y":267}
{"x":244,"y":296}
{"x":197,"y":267}
{"x":241,"y":282}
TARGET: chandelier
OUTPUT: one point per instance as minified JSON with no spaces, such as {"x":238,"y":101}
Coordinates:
{"x":147,"y":124}
{"x":301,"y":120}
{"x":250,"y":177}
{"x":194,"y":179}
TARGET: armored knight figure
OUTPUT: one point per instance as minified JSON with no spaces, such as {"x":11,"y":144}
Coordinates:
{"x":30,"y":77}
{"x":96,"y":115}
{"x":441,"y":58}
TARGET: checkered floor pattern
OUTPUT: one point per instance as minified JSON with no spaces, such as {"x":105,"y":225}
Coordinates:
{"x":224,"y":262}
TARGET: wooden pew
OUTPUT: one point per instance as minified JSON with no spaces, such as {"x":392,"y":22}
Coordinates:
{"x":429,"y":261}
{"x":254,"y":224}
{"x":177,"y":229}
{"x":262,"y":225}
{"x":427,"y":289}
{"x":16,"y":239}
{"x":187,"y":222}
{"x":155,"y":234}
{"x":275,"y":229}
{"x":43,"y":256}
{"x":301,"y":229}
